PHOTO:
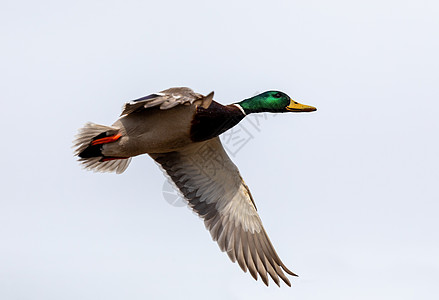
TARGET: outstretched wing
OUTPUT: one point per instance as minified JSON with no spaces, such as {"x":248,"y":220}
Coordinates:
{"x":167,"y":99}
{"x":212,"y":185}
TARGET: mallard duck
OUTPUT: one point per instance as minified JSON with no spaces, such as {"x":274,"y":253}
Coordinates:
{"x":179,"y":129}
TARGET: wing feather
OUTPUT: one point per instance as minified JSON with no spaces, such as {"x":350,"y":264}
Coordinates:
{"x":214,"y":189}
{"x":167,"y":99}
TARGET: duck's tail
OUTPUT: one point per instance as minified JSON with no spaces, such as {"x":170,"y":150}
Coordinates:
{"x":88,"y":147}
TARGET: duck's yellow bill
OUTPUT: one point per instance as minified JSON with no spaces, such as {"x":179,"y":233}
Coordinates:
{"x":297,"y":107}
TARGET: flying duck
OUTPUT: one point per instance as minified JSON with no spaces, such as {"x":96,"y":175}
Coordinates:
{"x":179,"y":129}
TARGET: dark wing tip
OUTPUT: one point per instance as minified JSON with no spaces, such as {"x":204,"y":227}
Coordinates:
{"x":288,"y":271}
{"x":152,"y":96}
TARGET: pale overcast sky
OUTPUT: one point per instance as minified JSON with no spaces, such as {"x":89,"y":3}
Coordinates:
{"x":348,"y":194}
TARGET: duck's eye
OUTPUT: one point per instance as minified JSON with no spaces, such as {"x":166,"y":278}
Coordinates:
{"x":277,"y":95}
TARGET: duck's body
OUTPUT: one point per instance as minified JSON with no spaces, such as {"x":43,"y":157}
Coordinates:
{"x":179,"y":129}
{"x":143,"y":132}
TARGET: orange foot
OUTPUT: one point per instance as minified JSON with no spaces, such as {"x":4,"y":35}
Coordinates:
{"x":106,"y":140}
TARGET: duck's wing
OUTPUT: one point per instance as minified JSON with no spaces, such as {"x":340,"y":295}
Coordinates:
{"x":213,"y":187}
{"x":167,"y":99}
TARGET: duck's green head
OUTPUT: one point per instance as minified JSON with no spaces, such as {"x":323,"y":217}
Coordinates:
{"x":273,"y":101}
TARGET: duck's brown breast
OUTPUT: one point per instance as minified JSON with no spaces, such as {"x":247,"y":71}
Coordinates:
{"x":211,"y":122}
